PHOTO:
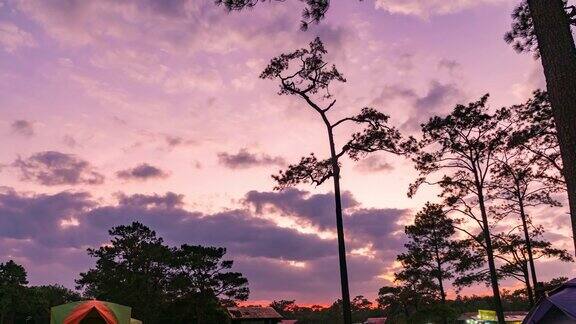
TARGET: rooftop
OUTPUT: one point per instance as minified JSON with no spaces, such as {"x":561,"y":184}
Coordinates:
{"x":253,"y":312}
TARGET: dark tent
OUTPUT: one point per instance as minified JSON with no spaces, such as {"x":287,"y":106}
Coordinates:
{"x":558,"y":307}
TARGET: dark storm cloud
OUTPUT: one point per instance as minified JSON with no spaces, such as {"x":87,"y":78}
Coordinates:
{"x":142,"y":172}
{"x":22,"y":127}
{"x":51,"y":168}
{"x":245,"y":159}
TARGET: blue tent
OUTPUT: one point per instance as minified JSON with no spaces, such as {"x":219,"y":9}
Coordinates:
{"x":558,"y":307}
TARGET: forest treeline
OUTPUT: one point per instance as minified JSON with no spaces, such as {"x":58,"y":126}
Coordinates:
{"x":161,"y":283}
{"x":193,"y":284}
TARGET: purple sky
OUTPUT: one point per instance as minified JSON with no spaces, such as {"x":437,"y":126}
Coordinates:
{"x":152,"y":110}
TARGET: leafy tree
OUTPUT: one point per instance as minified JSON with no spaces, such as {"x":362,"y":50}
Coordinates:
{"x":433,"y":252}
{"x":310,"y":80}
{"x":462,"y":145}
{"x":131,"y":270}
{"x":39,"y":300}
{"x":200,"y":278}
{"x":162,"y":284}
{"x":534,"y":135}
{"x":400,"y":302}
{"x":362,"y":309}
{"x":540,"y":26}
{"x":313,"y":11}
{"x":13,"y":281}
{"x":20,"y":303}
{"x":552,"y":284}
{"x":522,"y":177}
{"x":284,"y":307}
{"x":544,"y":27}
{"x":513,"y":250}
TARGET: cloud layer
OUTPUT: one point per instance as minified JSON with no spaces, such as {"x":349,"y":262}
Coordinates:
{"x":72,"y":221}
{"x":244,"y":159}
{"x":23,"y":127}
{"x":142,"y":172}
{"x":52,"y":168}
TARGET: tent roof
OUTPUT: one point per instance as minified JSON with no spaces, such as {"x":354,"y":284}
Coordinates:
{"x":563,"y":297}
{"x":58,"y":314}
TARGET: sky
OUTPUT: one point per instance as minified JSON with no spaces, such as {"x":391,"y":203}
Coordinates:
{"x":152,"y":111}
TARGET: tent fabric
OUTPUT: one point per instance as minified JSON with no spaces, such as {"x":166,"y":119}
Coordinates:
{"x":562,"y":298}
{"x":58,"y":314}
{"x":82,"y":310}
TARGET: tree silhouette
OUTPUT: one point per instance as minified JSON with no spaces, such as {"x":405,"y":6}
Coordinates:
{"x":132,"y":270}
{"x":513,"y":250}
{"x":521,"y":180}
{"x":313,"y":11}
{"x":310,"y":80}
{"x":543,"y":26}
{"x":534,"y":134}
{"x":162,"y":284}
{"x":433,"y":252}
{"x":462,"y":145}
{"x":13,"y":279}
{"x":199,"y":278}
{"x":399,"y":299}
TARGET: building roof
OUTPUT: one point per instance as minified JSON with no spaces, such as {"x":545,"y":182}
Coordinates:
{"x":253,"y":312}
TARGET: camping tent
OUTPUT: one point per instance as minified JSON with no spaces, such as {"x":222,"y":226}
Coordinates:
{"x":558,"y":307}
{"x":90,"y":312}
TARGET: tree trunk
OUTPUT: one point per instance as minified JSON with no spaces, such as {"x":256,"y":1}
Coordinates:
{"x":346,"y":310}
{"x":528,"y":287}
{"x":558,"y":55}
{"x":441,"y":286}
{"x":529,"y":250}
{"x":490,"y":254}
{"x":440,"y":282}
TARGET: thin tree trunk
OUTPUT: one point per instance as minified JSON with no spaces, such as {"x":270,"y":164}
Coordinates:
{"x":346,"y":310}
{"x":528,"y":287}
{"x":490,"y":254}
{"x":529,"y":249}
{"x":558,"y":55}
{"x":441,"y":285}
